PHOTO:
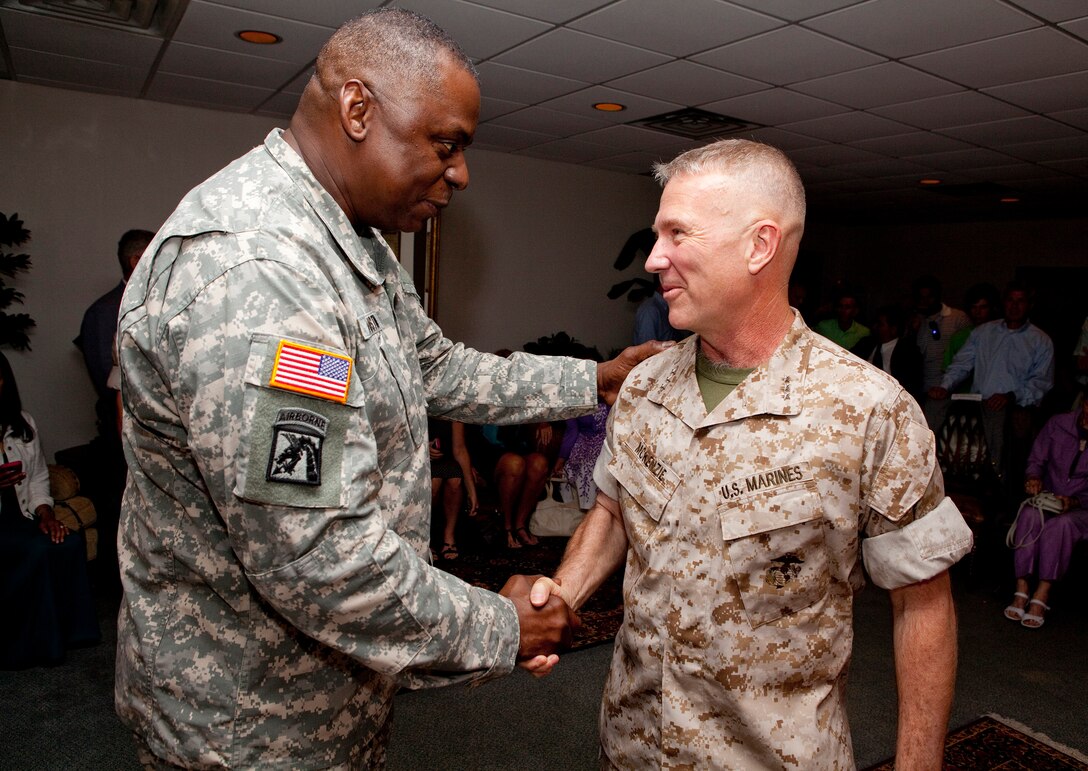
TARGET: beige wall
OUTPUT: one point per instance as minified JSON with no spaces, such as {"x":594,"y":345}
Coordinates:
{"x":527,"y":251}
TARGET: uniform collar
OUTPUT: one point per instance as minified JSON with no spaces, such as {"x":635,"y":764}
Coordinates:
{"x":367,"y":252}
{"x":773,"y":388}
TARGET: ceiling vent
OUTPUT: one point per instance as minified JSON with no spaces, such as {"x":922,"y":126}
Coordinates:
{"x":693,"y":123}
{"x":154,"y":17}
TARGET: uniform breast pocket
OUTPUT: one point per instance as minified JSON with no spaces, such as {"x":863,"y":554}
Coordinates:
{"x":647,"y":485}
{"x":775,"y":543}
{"x":386,"y":398}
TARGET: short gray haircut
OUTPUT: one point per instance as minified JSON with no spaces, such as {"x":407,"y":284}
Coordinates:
{"x":400,"y":44}
{"x":762,"y":165}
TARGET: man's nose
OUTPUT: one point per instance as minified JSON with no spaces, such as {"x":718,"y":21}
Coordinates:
{"x":457,"y":173}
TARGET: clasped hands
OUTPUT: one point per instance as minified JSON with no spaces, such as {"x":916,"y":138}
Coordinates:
{"x":546,"y":620}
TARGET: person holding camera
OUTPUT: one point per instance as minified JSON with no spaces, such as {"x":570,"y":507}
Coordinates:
{"x":1043,"y":544}
{"x":44,"y":587}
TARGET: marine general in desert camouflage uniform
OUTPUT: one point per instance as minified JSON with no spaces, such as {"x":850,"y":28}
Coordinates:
{"x":740,"y":473}
{"x":278,"y":372}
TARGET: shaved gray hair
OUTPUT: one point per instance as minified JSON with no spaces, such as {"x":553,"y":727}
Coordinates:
{"x":401,"y":45}
{"x":762,"y":165}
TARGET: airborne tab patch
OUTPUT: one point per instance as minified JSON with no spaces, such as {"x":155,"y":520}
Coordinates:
{"x":297,"y":439}
{"x":311,"y":371}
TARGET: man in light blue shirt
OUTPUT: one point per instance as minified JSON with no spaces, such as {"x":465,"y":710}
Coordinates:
{"x":1013,"y":364}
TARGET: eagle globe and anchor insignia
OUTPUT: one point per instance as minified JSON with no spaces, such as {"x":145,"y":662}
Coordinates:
{"x":784,"y":569}
{"x":297,"y":439}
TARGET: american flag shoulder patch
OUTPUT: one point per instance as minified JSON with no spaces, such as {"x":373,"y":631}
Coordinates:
{"x":311,"y":371}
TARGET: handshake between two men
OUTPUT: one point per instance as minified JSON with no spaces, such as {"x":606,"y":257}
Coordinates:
{"x":547,"y":623}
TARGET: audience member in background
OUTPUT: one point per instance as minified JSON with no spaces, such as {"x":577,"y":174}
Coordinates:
{"x":936,"y":323}
{"x":893,"y":351}
{"x":1058,"y":464}
{"x":983,"y":303}
{"x":451,"y":479}
{"x":582,"y":441}
{"x":1013,"y":365}
{"x":530,"y":459}
{"x":843,"y":328}
{"x":99,"y":326}
{"x":1080,"y":364}
{"x":104,"y":477}
{"x":45,"y":592}
{"x":652,"y":319}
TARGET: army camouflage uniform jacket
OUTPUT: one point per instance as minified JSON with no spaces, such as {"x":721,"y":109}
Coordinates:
{"x":745,"y":532}
{"x":277,"y":374}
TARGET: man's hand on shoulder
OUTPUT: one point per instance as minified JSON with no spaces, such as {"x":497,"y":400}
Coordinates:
{"x":612,"y":373}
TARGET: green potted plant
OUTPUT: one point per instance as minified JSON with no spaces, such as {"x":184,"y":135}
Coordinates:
{"x":14,"y":327}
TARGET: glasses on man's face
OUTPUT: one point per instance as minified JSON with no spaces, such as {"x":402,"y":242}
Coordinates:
{"x":934,"y":330}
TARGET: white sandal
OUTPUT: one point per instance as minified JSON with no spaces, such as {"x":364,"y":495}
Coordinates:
{"x":1013,"y":613}
{"x":1032,"y":621}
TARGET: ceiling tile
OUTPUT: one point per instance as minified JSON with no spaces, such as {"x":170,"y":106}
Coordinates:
{"x":545,"y":121}
{"x":526,"y":86}
{"x":576,"y":55}
{"x":489,"y":136}
{"x":493,"y":108}
{"x":1037,"y":53}
{"x":327,"y":13}
{"x":961,"y":160}
{"x":1005,"y":132}
{"x":581,"y":103}
{"x":783,"y":140}
{"x":884,"y":167}
{"x":799,"y":54}
{"x":568,"y":150}
{"x":203,"y":93}
{"x":298,"y":85}
{"x":774,"y":107}
{"x":112,"y":78}
{"x":631,"y":138}
{"x":898,"y":28}
{"x":848,"y":127}
{"x":1078,"y":27}
{"x":832,"y":155}
{"x":555,"y":11}
{"x":280,"y":105}
{"x":1078,"y":166}
{"x":1053,"y":10}
{"x":1078,"y":118}
{"x":214,"y":26}
{"x":1013,"y":172}
{"x":1061,"y":149}
{"x":210,"y":63}
{"x":84,"y":41}
{"x":915,"y":143}
{"x":957,"y":109}
{"x":651,"y":24}
{"x":687,"y":83}
{"x":876,"y":86}
{"x":1063,"y":92}
{"x":794,"y":10}
{"x":482,"y":32}
{"x":632,"y":163}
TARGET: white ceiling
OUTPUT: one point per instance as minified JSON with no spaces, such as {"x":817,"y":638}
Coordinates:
{"x":989,"y":96}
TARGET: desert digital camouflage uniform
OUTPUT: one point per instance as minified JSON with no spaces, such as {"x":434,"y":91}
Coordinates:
{"x":272,"y":543}
{"x":744,"y":530}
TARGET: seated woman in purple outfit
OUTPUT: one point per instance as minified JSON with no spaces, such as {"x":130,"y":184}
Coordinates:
{"x":1058,"y":464}
{"x":582,"y":442}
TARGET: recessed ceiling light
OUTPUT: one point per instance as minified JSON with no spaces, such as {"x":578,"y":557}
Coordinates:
{"x":609,"y":106}
{"x":929,"y":181}
{"x":258,"y":37}
{"x":1010,"y":199}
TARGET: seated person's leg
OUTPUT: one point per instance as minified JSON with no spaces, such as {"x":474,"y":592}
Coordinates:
{"x":509,"y":479}
{"x":537,"y":470}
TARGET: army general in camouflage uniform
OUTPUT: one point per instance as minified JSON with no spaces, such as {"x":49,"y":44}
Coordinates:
{"x":741,"y":471}
{"x":278,"y":371}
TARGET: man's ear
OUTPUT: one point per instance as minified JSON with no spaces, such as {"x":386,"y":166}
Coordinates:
{"x":356,"y":109}
{"x":766,"y":236}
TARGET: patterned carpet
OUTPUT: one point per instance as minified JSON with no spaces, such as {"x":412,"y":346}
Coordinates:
{"x":988,"y":743}
{"x":490,"y":567}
